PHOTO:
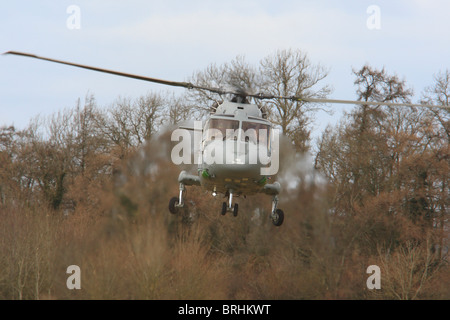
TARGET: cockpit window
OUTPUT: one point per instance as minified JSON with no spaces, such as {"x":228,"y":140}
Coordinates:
{"x":256,"y":132}
{"x":224,"y":127}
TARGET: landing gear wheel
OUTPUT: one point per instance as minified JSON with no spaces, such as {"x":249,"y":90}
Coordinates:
{"x":224,"y":208}
{"x":278,"y":217}
{"x":235,"y":210}
{"x":173,"y":205}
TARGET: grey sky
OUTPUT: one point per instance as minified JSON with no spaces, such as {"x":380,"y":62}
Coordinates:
{"x":172,"y":39}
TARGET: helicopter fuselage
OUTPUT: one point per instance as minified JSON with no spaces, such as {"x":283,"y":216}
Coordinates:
{"x":236,"y":152}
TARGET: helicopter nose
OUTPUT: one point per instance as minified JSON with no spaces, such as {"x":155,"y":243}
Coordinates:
{"x":232,"y":152}
{"x":235,"y":171}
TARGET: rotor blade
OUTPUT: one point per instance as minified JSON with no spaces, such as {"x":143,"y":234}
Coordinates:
{"x":122,"y":74}
{"x":189,"y":85}
{"x":373,"y":103}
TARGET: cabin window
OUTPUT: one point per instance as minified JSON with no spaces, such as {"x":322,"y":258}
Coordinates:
{"x":220,"y":128}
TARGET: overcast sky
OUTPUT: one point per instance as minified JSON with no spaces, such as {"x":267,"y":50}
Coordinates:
{"x":172,"y":39}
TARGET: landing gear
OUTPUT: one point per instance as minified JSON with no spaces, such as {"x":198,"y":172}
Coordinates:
{"x":229,"y":207}
{"x":177,"y":202}
{"x":235,"y":209}
{"x":224,"y":208}
{"x":173,"y":205}
{"x":277,"y":215}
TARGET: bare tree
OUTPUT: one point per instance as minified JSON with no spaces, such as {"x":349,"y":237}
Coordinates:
{"x":408,"y":271}
{"x":237,"y":75}
{"x":285,"y":73}
{"x":291,"y":73}
{"x":7,"y":137}
{"x":439,"y":94}
{"x":385,"y":166}
{"x":178,"y":110}
{"x":129,"y":123}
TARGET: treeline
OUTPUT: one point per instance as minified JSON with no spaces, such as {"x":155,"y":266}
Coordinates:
{"x":89,"y":185}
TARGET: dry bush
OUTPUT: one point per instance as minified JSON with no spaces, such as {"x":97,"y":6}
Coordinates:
{"x":26,"y":248}
{"x":408,"y":272}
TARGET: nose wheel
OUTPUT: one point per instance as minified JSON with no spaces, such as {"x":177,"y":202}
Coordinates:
{"x":228,"y":207}
{"x":224,"y":209}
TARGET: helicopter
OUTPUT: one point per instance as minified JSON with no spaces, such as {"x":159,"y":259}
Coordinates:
{"x":238,"y":151}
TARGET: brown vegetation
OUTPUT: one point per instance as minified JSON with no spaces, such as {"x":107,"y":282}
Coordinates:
{"x":84,"y":188}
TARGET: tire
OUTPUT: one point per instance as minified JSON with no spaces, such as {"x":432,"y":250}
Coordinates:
{"x":279,"y":218}
{"x":224,"y":208}
{"x":235,"y":210}
{"x":172,"y":205}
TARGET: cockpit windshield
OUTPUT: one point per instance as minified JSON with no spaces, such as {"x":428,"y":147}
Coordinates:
{"x":258,"y":133}
{"x":224,"y":128}
{"x":247,"y":131}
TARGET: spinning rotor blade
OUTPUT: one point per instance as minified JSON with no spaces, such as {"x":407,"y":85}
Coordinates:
{"x":189,"y":85}
{"x":122,"y":74}
{"x":373,"y":103}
